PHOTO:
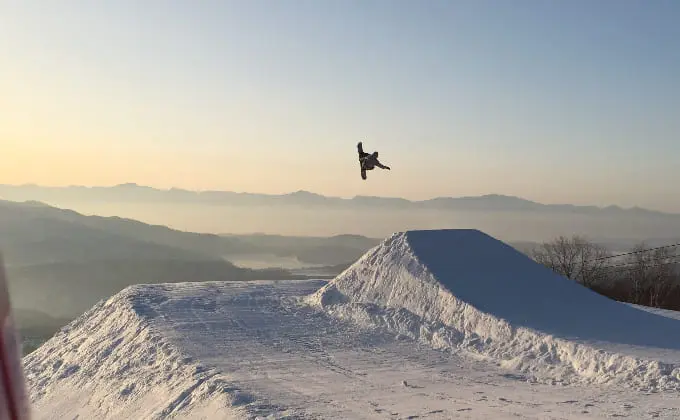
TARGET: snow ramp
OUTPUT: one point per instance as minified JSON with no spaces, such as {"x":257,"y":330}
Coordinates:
{"x":112,"y":363}
{"x":464,"y":290}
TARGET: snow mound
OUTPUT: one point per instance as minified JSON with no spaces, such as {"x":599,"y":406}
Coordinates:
{"x":462,"y":290}
{"x":112,"y":355}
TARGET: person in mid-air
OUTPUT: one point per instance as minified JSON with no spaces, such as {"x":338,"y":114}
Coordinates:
{"x":368,"y":161}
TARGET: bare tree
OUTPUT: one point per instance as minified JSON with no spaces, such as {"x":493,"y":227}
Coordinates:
{"x":651,"y":274}
{"x":558,"y":255}
{"x":593,"y":261}
{"x":636,"y":273}
{"x":575,"y":258}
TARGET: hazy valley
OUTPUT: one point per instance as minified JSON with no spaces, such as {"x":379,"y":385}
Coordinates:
{"x":60,"y":262}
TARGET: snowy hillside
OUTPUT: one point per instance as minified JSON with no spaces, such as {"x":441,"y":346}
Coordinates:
{"x":429,"y":324}
{"x":462,"y":289}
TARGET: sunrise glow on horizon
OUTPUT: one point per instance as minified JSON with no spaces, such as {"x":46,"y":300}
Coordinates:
{"x":573,"y":102}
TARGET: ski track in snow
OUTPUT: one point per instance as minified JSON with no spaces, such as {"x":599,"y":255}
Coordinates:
{"x":276,"y":357}
{"x":396,"y":336}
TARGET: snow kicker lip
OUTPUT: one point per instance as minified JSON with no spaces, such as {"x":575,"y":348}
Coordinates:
{"x":513,"y":309}
{"x":115,"y":346}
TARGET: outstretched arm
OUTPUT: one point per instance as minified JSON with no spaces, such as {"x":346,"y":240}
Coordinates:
{"x":380,"y":165}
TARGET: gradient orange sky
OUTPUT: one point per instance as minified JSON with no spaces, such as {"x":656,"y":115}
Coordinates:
{"x":261,"y":97}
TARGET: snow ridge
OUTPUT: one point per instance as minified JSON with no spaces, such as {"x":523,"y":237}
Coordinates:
{"x":113,"y":354}
{"x":461,"y":290}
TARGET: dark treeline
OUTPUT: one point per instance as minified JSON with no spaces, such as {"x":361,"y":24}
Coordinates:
{"x":643,"y":275}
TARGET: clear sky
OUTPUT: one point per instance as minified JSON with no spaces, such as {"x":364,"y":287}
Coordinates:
{"x":573,"y":101}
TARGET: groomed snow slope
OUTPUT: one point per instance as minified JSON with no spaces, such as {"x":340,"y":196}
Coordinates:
{"x":253,"y":350}
{"x":462,"y":289}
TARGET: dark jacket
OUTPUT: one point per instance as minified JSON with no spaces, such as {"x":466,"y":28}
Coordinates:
{"x":369,"y":160}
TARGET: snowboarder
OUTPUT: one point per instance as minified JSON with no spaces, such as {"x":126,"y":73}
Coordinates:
{"x":368,"y":161}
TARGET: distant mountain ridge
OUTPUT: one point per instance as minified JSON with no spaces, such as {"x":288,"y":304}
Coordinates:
{"x":36,"y":233}
{"x":139,"y":193}
{"x":61,"y":262}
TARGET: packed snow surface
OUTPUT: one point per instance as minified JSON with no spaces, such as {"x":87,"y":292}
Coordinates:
{"x":428,"y":324}
{"x":462,"y":289}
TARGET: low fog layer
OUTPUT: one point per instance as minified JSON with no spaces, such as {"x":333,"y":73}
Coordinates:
{"x":379,"y":223}
{"x":61,"y":262}
{"x":308,"y":214}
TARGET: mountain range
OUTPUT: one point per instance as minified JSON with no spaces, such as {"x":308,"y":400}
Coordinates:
{"x":307,"y":214}
{"x":132,"y":192}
